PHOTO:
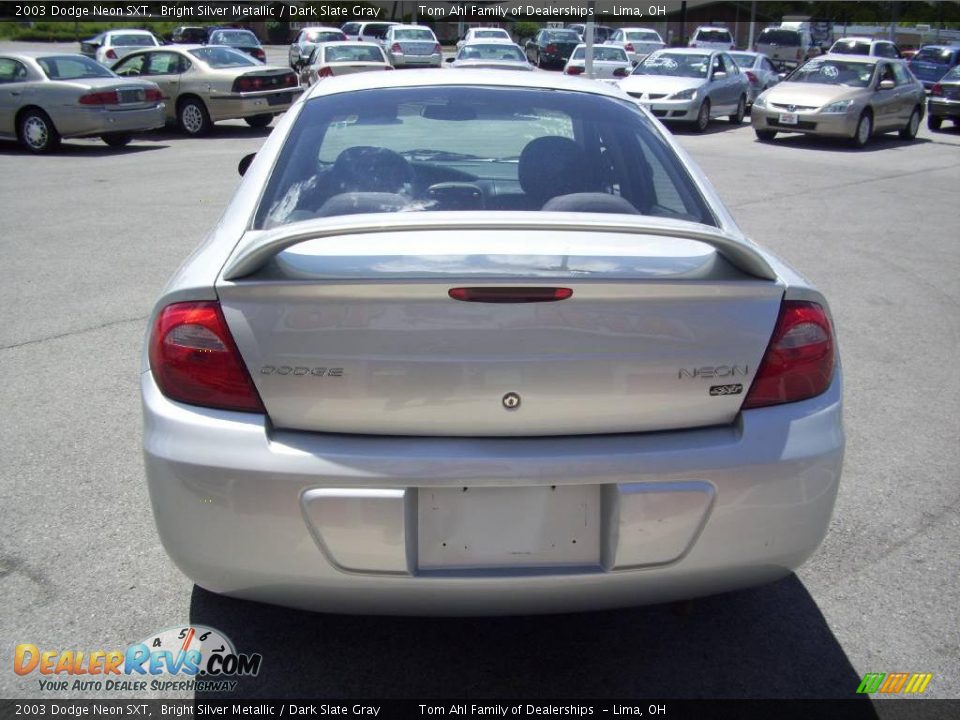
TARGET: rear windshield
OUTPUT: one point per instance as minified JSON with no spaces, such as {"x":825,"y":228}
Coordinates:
{"x":608,"y":54}
{"x":834,"y":72}
{"x":413,"y":34}
{"x":323,"y":36}
{"x":780,"y":37}
{"x":639,"y":36}
{"x":351,"y":28}
{"x":743,"y":59}
{"x":675,"y":65}
{"x":419,"y":149}
{"x":717,"y":36}
{"x":491,"y":51}
{"x":377,"y":30}
{"x":853,"y":47}
{"x":72,"y":67}
{"x":238,"y":38}
{"x":491,"y":34}
{"x":221,"y":57}
{"x":952,"y":76}
{"x":353,"y":53}
{"x":940,"y":56}
{"x":132,"y":41}
{"x":567,"y":36}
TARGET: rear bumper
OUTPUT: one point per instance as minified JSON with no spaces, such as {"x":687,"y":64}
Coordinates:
{"x":943,"y":107}
{"x":407,"y":60}
{"x":241,"y":105}
{"x":331,"y":522}
{"x":87,"y":122}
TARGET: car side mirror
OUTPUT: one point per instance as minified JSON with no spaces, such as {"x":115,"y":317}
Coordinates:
{"x":781,"y":76}
{"x":886,"y":85}
{"x":719,"y":75}
{"x":449,"y":59}
{"x":245,"y":163}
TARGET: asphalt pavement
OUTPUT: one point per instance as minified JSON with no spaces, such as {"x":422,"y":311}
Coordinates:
{"x":91,"y":234}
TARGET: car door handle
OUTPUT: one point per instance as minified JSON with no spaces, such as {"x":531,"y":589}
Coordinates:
{"x":15,"y":93}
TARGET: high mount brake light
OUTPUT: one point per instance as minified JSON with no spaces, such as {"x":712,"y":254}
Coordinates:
{"x":194,"y":359}
{"x":799,"y":360}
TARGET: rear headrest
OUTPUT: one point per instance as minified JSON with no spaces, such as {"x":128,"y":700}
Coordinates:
{"x":356,"y":203}
{"x":551,"y":166}
{"x":590,"y":202}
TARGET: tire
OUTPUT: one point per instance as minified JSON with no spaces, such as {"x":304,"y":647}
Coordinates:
{"x":259,"y":121}
{"x":117,"y":139}
{"x":193,"y":118}
{"x":766,"y":135}
{"x":37,"y":132}
{"x":861,"y":136}
{"x":703,"y":117}
{"x":913,"y":124}
{"x":737,"y":118}
{"x":933,"y":122}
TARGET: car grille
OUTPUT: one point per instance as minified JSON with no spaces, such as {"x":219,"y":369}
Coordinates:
{"x":651,"y":96}
{"x":793,"y":108}
{"x":660,"y":113}
{"x":802,"y":125}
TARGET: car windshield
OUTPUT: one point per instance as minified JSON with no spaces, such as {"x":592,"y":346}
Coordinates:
{"x":603,"y":54}
{"x":491,"y":51}
{"x":717,"y":36}
{"x":413,"y":34}
{"x":643,"y":36}
{"x":475,"y":148}
{"x":834,"y":72}
{"x":236,"y":38}
{"x":743,"y":60}
{"x":565,"y":36}
{"x":675,"y":65}
{"x":353,"y":53}
{"x":322,"y":36}
{"x":222,"y":57}
{"x":132,"y":41}
{"x":72,"y":67}
{"x":952,"y":76}
{"x":934,"y":55}
{"x":851,"y":47}
{"x":779,"y":37}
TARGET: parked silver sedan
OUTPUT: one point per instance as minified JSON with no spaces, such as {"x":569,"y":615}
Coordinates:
{"x":759,"y":71}
{"x":690,"y":85}
{"x":46,"y":96}
{"x":609,"y":62}
{"x":847,"y":96}
{"x":638,"y":42}
{"x":307,"y":40}
{"x":412,"y":46}
{"x":483,"y":343}
{"x":497,"y":55}
{"x":343,"y":58}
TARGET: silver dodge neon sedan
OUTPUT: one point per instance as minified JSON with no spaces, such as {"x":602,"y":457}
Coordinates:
{"x":485,"y":342}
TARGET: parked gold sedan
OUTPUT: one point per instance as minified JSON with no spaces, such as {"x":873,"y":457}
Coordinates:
{"x":842,"y":96}
{"x":207,"y":83}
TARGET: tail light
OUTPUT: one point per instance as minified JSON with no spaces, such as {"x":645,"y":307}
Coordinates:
{"x":290,"y":80}
{"x":751,"y":77}
{"x":574,"y":70}
{"x":245,"y":83}
{"x":388,"y":67}
{"x":396,"y":49}
{"x":325,"y":72}
{"x":510,"y":294}
{"x":107,"y":97}
{"x":621,"y":72}
{"x":194,"y":360}
{"x":551,"y":48}
{"x":629,"y":47}
{"x":799,"y":54}
{"x":798,"y":363}
{"x":437,"y":49}
{"x":152,"y":95}
{"x":259,"y":54}
{"x":937,"y":90}
{"x":111,"y":55}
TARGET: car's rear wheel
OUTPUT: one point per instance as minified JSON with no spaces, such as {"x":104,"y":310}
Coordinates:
{"x":703,"y":116}
{"x":37,"y":132}
{"x":913,"y":124}
{"x":737,"y":117}
{"x":259,"y":121}
{"x":933,"y":122}
{"x":193,"y":117}
{"x":861,"y":136}
{"x":766,"y":135}
{"x":117,"y":139}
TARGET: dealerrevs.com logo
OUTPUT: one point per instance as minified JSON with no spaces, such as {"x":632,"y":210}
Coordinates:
{"x":194,"y":658}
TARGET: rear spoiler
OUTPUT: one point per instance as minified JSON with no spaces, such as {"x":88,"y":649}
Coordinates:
{"x":258,"y":247}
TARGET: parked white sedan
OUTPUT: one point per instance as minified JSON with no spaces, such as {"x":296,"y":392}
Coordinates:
{"x":482,"y":343}
{"x":343,"y":58}
{"x":108,"y":47}
{"x":609,"y":62}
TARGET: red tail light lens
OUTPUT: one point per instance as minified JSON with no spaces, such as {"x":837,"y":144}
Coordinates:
{"x":798,"y":363}
{"x":195,"y":361}
{"x":751,"y":78}
{"x":628,"y":47}
{"x":325,"y":72}
{"x":551,"y":48}
{"x":152,"y":95}
{"x":437,"y":49}
{"x":937,"y":90}
{"x":395,"y":48}
{"x":111,"y":54}
{"x":260,"y":55}
{"x":510,"y":294}
{"x":108,"y":97}
{"x":799,"y":54}
{"x":621,"y":72}
{"x":574,"y":70}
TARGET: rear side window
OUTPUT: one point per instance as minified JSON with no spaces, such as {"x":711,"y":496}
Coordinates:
{"x":351,"y":28}
{"x":376,"y":30}
{"x":11,"y":71}
{"x":428,"y":148}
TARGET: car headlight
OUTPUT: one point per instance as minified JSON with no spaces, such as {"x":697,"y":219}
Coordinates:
{"x":838,"y":107}
{"x":688,"y":94}
{"x":760,"y":101}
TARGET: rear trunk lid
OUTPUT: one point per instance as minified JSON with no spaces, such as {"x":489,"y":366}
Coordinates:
{"x":364,"y":337}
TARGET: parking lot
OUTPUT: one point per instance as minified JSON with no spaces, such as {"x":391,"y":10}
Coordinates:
{"x":92,"y":233}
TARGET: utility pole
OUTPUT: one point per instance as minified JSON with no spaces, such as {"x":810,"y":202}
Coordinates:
{"x":894,"y":6}
{"x":753,"y":21}
{"x":588,"y":61}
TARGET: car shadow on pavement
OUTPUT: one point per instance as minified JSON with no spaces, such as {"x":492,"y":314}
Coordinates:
{"x":71,"y":148}
{"x":218,"y":131}
{"x":767,"y":642}
{"x":715,"y":126}
{"x":887,"y":141}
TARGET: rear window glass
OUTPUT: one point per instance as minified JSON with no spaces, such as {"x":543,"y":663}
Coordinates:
{"x":237,"y":38}
{"x":377,"y":30}
{"x":851,"y":48}
{"x":643,"y":36}
{"x":413,"y":34}
{"x":72,"y":67}
{"x":743,"y":59}
{"x":132,"y":41}
{"x":428,"y":148}
{"x":354,"y":53}
{"x":351,"y":28}
{"x":935,"y":55}
{"x":491,"y":51}
{"x":717,"y":36}
{"x":780,"y":37}
{"x":952,"y":76}
{"x":566,"y":36}
{"x":322,"y":36}
{"x":606,"y":54}
{"x":223,"y":57}
{"x":491,"y":34}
